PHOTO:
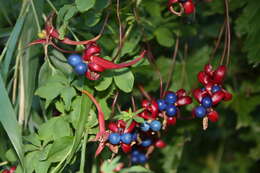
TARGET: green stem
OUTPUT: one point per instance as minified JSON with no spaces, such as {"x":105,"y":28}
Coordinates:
{"x":36,"y":16}
{"x":83,"y":153}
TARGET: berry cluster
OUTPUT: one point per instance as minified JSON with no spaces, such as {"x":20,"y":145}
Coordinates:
{"x":186,"y":6}
{"x":11,"y":170}
{"x":91,"y":64}
{"x":211,"y":93}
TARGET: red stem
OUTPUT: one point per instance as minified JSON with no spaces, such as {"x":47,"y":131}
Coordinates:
{"x":101,"y":120}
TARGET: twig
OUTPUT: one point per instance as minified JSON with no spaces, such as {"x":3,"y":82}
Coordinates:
{"x":133,"y":103}
{"x":114,"y":103}
{"x":145,"y":94}
{"x":172,"y":66}
{"x":228,"y":31}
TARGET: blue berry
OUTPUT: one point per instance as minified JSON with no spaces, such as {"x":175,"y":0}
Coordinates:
{"x":81,"y":68}
{"x":161,"y":104}
{"x":155,"y":125}
{"x":126,"y":138}
{"x":146,"y":143}
{"x":135,"y":159}
{"x":145,"y":126}
{"x":135,"y":153}
{"x":134,"y":136}
{"x":74,"y":59}
{"x":203,"y":89}
{"x":215,"y":88}
{"x":200,"y":111}
{"x":206,"y":102}
{"x":114,"y":138}
{"x":171,"y":110}
{"x":142,"y":158}
{"x":171,"y":98}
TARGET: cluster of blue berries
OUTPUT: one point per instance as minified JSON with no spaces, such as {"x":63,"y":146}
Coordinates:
{"x":126,"y":138}
{"x":78,"y":65}
{"x":206,"y":102}
{"x":155,"y":126}
{"x":138,"y":158}
{"x":168,"y":104}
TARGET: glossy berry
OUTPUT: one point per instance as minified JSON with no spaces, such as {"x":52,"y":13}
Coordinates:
{"x":126,"y":138}
{"x":135,"y":153}
{"x":206,"y":102}
{"x":142,"y":158}
{"x":81,"y":68}
{"x":134,"y":136}
{"x":155,"y":125}
{"x":215,"y":89}
{"x":114,"y":138}
{"x":171,"y":110}
{"x":171,"y":98}
{"x":200,"y":111}
{"x":146,"y":143}
{"x":161,"y":104}
{"x":74,"y":59}
{"x":145,"y":127}
{"x":135,"y":159}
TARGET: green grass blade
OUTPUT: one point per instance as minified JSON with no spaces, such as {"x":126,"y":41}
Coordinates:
{"x":9,"y":122}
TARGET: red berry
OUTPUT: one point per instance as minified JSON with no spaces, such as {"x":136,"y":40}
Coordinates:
{"x":217,"y":97}
{"x":171,"y":120}
{"x":184,"y":101}
{"x":126,"y":147}
{"x":160,"y":144}
{"x":213,"y":116}
{"x":219,"y":74}
{"x":188,"y":7}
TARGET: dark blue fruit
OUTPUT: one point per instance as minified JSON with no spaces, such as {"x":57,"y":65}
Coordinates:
{"x":74,"y":59}
{"x":155,"y":125}
{"x":171,"y":110}
{"x":134,"y":136}
{"x":200,"y":111}
{"x":114,"y":138}
{"x":171,"y":98}
{"x":135,"y":159}
{"x":206,"y":102}
{"x":126,"y":138}
{"x":81,"y":68}
{"x":142,"y":158}
{"x":145,"y":127}
{"x":161,"y":104}
{"x":215,"y":88}
{"x":146,"y":143}
{"x":135,"y":153}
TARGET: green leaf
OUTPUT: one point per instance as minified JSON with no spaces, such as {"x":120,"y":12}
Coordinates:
{"x":104,"y":83}
{"x":60,"y":148}
{"x":138,"y":119}
{"x":53,"y":129}
{"x":67,"y":94}
{"x":134,"y":169}
{"x":124,"y":79}
{"x":33,"y":139}
{"x":9,"y":122}
{"x":164,"y":37}
{"x":10,"y":155}
{"x":84,"y":5}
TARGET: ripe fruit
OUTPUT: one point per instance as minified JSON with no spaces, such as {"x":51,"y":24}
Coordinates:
{"x":142,"y":158}
{"x":126,"y":138}
{"x":200,"y":111}
{"x":114,"y":138}
{"x":155,"y":125}
{"x":74,"y":59}
{"x":146,"y":143}
{"x":161,"y":104}
{"x":135,"y":159}
{"x":171,"y":120}
{"x":81,"y":68}
{"x":215,"y":88}
{"x":171,"y":98}
{"x":171,"y":110}
{"x":135,"y":153}
{"x":145,"y":126}
{"x":206,"y":102}
{"x":134,"y":136}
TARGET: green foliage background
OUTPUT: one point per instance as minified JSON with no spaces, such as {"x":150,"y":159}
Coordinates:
{"x":34,"y":87}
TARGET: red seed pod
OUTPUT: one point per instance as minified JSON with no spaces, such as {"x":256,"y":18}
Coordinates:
{"x":145,"y":104}
{"x":154,"y":109}
{"x":96,"y":68}
{"x":184,"y":101}
{"x":219,"y":74}
{"x":92,"y":75}
{"x":113,"y":127}
{"x":208,"y":87}
{"x":199,"y":94}
{"x":189,"y":7}
{"x":12,"y":169}
{"x":171,"y":121}
{"x":217,"y":97}
{"x":228,"y":96}
{"x":146,"y":115}
{"x":126,"y":147}
{"x":130,"y":128}
{"x":213,"y":116}
{"x":203,"y":78}
{"x":160,"y":144}
{"x":208,"y":69}
{"x":181,"y":93}
{"x":91,"y":49}
{"x":6,"y":171}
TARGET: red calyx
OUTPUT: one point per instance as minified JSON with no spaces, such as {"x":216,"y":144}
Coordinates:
{"x":208,"y":69}
{"x":6,"y":171}
{"x":228,"y":96}
{"x":203,"y":78}
{"x":126,"y":147}
{"x":184,"y":101}
{"x":199,"y":94}
{"x":160,"y":144}
{"x":91,"y":50}
{"x":151,"y":108}
{"x":171,"y":120}
{"x":217,"y":97}
{"x":181,"y":93}
{"x":213,"y":116}
{"x":219,"y":74}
